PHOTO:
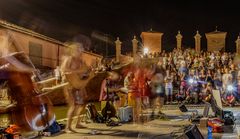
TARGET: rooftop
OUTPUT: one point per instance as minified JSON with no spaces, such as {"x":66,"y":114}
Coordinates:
{"x":20,"y":29}
{"x":216,"y":32}
{"x":26,"y":31}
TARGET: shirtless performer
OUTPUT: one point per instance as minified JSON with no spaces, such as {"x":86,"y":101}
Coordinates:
{"x":75,"y":71}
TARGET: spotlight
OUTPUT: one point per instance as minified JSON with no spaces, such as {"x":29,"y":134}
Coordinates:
{"x":230,"y":88}
{"x":190,"y":81}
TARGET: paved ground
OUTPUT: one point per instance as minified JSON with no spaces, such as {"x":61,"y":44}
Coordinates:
{"x":150,"y":129}
{"x":155,"y":129}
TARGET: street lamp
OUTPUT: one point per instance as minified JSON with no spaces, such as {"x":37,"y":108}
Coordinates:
{"x":145,"y":51}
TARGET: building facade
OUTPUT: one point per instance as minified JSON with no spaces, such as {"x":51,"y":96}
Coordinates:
{"x":42,"y":50}
{"x":152,"y":41}
{"x":216,"y":40}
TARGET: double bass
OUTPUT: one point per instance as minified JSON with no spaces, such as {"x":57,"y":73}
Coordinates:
{"x":33,"y":111}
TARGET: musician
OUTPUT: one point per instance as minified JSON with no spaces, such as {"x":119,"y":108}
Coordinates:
{"x":128,"y":84}
{"x":134,"y":95}
{"x":109,"y":84}
{"x":74,"y":65}
{"x":158,"y":91}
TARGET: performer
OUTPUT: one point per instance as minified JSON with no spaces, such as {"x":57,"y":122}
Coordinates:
{"x":109,"y":84}
{"x":145,"y":88}
{"x":158,"y":91}
{"x":134,"y":95}
{"x":75,"y":71}
{"x":128,"y":80}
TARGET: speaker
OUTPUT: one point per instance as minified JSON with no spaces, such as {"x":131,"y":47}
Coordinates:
{"x":192,"y":132}
{"x":183,"y":108}
{"x":228,"y":117}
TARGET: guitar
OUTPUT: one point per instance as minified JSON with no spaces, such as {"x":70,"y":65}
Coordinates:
{"x":79,"y":80}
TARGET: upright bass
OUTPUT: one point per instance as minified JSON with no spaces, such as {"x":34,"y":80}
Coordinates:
{"x":33,"y":111}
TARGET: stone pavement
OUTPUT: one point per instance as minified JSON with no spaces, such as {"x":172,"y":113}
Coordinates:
{"x":155,"y":129}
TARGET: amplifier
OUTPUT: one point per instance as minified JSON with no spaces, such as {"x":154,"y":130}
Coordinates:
{"x":125,"y":114}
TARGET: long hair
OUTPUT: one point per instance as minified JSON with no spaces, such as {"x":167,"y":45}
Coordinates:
{"x":73,"y":47}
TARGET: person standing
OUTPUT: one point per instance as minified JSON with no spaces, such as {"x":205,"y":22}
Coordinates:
{"x":128,"y":84}
{"x":169,"y":86}
{"x":226,"y":79}
{"x":76,"y":72}
{"x":158,"y":91}
{"x":109,"y":89}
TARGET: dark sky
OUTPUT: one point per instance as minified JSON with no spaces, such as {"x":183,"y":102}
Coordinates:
{"x":65,"y":19}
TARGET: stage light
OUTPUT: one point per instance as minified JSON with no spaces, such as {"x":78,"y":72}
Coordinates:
{"x":145,"y":51}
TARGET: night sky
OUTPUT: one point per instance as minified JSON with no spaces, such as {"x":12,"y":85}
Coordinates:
{"x":68,"y":19}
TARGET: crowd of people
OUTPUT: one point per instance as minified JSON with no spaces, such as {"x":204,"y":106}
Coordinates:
{"x":193,"y":76}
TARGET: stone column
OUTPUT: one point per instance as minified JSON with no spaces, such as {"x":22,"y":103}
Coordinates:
{"x":179,"y":40}
{"x":197,"y":38}
{"x":135,"y":46}
{"x":118,"y":49}
{"x":238,"y":45}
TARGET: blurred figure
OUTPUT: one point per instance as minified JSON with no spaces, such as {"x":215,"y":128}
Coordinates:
{"x":218,"y":80}
{"x":58,"y":75}
{"x":229,"y":97}
{"x":128,"y":84}
{"x":192,"y":92}
{"x":226,"y":79}
{"x":169,"y":87}
{"x":158,"y":91}
{"x":75,"y":71}
{"x":181,"y":95}
{"x":144,"y":88}
{"x":206,"y":93}
{"x":109,"y":85}
{"x":238,"y":87}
